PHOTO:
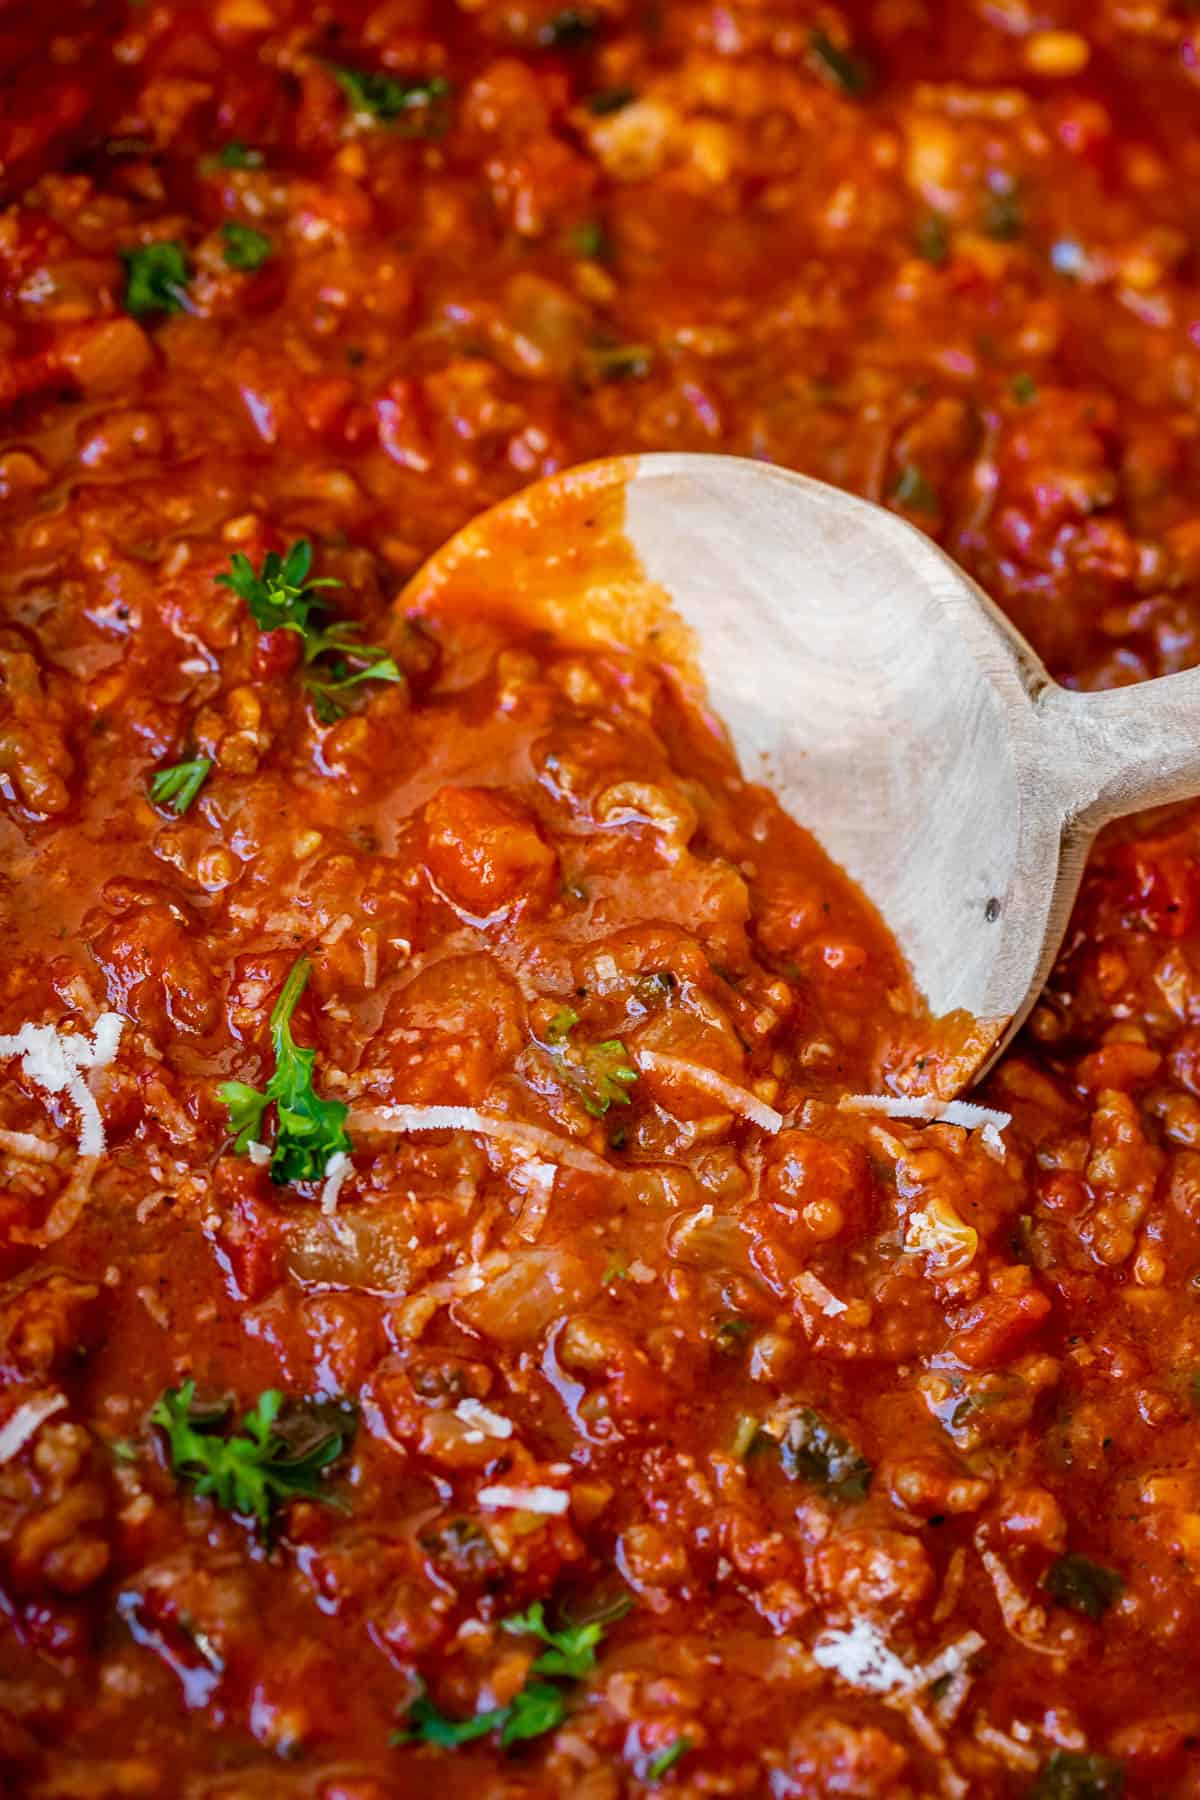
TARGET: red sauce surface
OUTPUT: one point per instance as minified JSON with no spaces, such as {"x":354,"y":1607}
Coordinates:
{"x":884,"y":1433}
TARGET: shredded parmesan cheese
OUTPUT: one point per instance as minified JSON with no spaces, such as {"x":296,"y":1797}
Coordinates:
{"x":529,"y":1139}
{"x":952,"y":1112}
{"x":949,"y":1661}
{"x":863,"y":1659}
{"x":482,"y":1419}
{"x":535,"y":1179}
{"x":55,"y":1060}
{"x":336,"y":1171}
{"x":534,"y":1499}
{"x":733,"y":1098}
{"x":29,"y":1418}
{"x":259,"y":1154}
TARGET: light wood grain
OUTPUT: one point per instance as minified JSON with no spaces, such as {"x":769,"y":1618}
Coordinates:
{"x":871,"y":684}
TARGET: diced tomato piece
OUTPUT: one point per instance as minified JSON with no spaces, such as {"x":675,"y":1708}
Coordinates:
{"x":276,"y":654}
{"x":1163,"y":876}
{"x":991,"y":1331}
{"x":485,"y":852}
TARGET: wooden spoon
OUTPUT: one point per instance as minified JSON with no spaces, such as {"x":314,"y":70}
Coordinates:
{"x":870,"y":683}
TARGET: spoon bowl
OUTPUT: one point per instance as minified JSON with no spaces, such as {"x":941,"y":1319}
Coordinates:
{"x":871,"y":685}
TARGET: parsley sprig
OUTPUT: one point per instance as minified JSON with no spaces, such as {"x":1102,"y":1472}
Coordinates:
{"x":602,"y":1073}
{"x":283,"y":596}
{"x":540,"y":1706}
{"x":810,"y":1450}
{"x":244,"y":248}
{"x":416,"y":102}
{"x":571,"y":1652}
{"x":309,"y":1130}
{"x":1082,"y":1585}
{"x":156,"y":278}
{"x":178,"y":785}
{"x":251,"y":1471}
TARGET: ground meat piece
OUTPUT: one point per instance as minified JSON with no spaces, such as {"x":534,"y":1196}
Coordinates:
{"x":882,"y":1575}
{"x":46,"y":1318}
{"x":828,"y":1756}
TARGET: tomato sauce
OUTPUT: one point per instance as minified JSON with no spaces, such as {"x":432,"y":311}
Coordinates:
{"x":458,"y":1331}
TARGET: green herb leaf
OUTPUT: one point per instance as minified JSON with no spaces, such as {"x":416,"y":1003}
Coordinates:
{"x":620,"y":362}
{"x":328,"y":688}
{"x":748,"y":1436}
{"x":246,"y":1108}
{"x":810,"y":1450}
{"x":537,"y":1708}
{"x":1024,"y":389}
{"x":572,"y":1651}
{"x":386,"y":98}
{"x":1004,"y":212}
{"x":236,"y":156}
{"x":600,"y":1073}
{"x":1082,"y":1585}
{"x":156,"y":278}
{"x":1078,"y":1775}
{"x":590,"y":240}
{"x":562,"y":1024}
{"x":245,"y":248}
{"x":610,"y":100}
{"x":570,"y":1654}
{"x":309,"y":1130}
{"x":666,"y":1759}
{"x":852,"y":75}
{"x":250,"y":1472}
{"x":424,"y":1724}
{"x":913,"y":491}
{"x":178,"y":786}
{"x":282,"y":597}
{"x":730,"y":1333}
{"x":933,"y":239}
{"x":569,"y":29}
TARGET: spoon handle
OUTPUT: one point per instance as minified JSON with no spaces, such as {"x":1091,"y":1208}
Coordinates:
{"x":1127,"y":748}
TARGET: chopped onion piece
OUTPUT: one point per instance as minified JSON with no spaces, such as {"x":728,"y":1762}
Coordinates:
{"x":733,"y":1098}
{"x":811,"y":1287}
{"x":29,"y":1418}
{"x":527,"y":1139}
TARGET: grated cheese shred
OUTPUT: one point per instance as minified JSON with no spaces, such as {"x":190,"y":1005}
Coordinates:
{"x":54,"y":1060}
{"x":733,"y":1098}
{"x":942,"y":1112}
{"x":481,"y":1418}
{"x":526,"y":1139}
{"x":548,"y":1500}
{"x":336,"y":1171}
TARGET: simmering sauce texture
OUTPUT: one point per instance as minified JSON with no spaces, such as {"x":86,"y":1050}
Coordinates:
{"x":461,"y":1330}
